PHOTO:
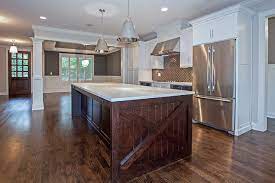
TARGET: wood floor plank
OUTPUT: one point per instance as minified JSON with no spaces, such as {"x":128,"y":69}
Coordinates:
{"x":48,"y":146}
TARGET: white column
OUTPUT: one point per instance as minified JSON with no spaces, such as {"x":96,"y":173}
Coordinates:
{"x":37,"y":90}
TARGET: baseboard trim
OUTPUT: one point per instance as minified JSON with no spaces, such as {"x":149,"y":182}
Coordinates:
{"x":37,"y":107}
{"x":243,"y":129}
{"x":57,"y":91}
{"x":3,"y":93}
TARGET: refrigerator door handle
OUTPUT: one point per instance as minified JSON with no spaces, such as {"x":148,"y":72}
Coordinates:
{"x":213,"y":70}
{"x":208,"y":68}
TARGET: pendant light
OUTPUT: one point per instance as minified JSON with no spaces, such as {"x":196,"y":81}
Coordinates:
{"x":128,"y":33}
{"x":101,"y":46}
{"x":13,"y":48}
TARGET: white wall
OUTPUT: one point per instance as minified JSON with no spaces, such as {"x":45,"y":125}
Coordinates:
{"x":54,"y":84}
{"x":255,"y":58}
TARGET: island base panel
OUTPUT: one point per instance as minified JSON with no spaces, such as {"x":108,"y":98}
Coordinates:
{"x":143,"y":134}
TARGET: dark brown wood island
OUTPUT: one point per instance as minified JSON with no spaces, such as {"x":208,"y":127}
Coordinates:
{"x":143,"y":127}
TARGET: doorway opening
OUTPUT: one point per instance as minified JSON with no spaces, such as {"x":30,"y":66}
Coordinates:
{"x":19,"y":71}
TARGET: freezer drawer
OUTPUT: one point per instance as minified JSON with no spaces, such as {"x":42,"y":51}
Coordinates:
{"x":215,"y":112}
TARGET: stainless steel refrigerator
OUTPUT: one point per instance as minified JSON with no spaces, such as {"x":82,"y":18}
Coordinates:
{"x":214,"y":84}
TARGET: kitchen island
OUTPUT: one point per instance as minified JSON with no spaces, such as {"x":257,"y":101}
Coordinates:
{"x":142,"y":127}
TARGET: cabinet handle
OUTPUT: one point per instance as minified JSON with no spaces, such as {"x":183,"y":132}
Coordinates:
{"x":210,"y":33}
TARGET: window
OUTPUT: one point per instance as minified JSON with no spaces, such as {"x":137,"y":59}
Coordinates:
{"x":20,"y":65}
{"x":76,"y":67}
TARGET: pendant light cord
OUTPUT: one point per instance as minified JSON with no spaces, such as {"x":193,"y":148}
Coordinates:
{"x":128,"y":8}
{"x":102,"y":11}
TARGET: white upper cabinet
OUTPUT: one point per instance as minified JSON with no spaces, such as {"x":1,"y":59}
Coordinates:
{"x":202,"y":33}
{"x":186,"y":48}
{"x":212,"y":29}
{"x":225,"y":27}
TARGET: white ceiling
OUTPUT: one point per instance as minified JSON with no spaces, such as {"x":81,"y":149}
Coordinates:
{"x":17,"y":16}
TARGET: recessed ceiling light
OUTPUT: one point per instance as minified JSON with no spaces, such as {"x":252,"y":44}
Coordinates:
{"x":43,"y":18}
{"x":164,"y":9}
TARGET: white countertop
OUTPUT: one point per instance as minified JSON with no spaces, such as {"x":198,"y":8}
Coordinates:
{"x":116,"y":92}
{"x":173,"y":83}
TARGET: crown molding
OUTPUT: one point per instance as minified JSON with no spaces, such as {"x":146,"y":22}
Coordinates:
{"x":223,"y":12}
{"x":251,"y":3}
{"x":65,"y":35}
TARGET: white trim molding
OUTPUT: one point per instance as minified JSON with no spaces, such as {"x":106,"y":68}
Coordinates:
{"x":261,"y":123}
{"x":37,"y":79}
{"x":243,"y":129}
{"x":3,"y":93}
{"x":65,"y":35}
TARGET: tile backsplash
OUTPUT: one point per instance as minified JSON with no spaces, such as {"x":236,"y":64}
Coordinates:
{"x":172,"y":71}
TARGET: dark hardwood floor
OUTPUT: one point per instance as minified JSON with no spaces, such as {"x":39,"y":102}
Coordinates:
{"x":48,"y":146}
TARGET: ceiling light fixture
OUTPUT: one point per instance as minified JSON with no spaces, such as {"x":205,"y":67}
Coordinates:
{"x":164,"y":9}
{"x":43,"y":18}
{"x":13,"y":48}
{"x":101,"y":45}
{"x":85,"y":63}
{"x":3,"y":19}
{"x":128,"y":33}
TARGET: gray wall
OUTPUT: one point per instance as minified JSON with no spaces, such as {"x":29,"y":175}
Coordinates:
{"x":51,"y":63}
{"x":114,"y":64}
{"x":100,"y":67}
{"x":3,"y":71}
{"x":271,"y":41}
{"x":109,"y":65}
{"x":104,"y":65}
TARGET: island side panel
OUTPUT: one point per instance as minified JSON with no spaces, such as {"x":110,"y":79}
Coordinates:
{"x":76,"y":102}
{"x":147,"y":134}
{"x":94,"y":109}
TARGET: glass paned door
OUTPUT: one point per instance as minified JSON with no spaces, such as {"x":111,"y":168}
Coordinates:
{"x":19,"y":73}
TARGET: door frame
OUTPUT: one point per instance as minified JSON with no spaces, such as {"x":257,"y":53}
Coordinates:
{"x":261,"y":123}
{"x":8,"y":67}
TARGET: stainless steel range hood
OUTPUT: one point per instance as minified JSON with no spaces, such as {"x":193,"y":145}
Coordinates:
{"x":169,"y":47}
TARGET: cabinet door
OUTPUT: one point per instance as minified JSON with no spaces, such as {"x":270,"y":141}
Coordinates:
{"x":149,"y":46}
{"x":224,"y":28}
{"x":186,"y":48}
{"x":202,"y":33}
{"x":142,"y":56}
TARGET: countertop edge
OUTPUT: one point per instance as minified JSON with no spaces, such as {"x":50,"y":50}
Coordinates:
{"x":119,"y":99}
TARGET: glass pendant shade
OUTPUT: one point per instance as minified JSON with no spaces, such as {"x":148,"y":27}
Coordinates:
{"x":85,"y":63}
{"x":13,"y":49}
{"x":101,"y":46}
